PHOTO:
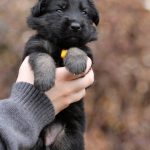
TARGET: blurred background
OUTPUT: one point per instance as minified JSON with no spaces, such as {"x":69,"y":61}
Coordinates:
{"x":118,"y":104}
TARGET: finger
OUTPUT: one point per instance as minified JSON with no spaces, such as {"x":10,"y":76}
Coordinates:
{"x":82,"y":83}
{"x":66,"y":75}
{"x":77,"y":96}
{"x":67,"y":100}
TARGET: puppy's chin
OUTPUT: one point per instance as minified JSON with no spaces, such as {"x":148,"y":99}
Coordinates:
{"x":71,"y":42}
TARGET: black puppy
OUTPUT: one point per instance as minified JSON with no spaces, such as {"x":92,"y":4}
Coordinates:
{"x":61,"y":24}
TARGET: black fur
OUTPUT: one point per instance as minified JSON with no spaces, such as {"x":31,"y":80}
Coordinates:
{"x":61,"y":24}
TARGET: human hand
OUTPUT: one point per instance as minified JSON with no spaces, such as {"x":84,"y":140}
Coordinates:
{"x":68,"y":88}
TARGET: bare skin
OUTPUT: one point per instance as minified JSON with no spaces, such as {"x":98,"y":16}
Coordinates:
{"x":68,"y":88}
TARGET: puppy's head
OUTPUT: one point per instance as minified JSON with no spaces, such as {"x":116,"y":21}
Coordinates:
{"x":65,"y":22}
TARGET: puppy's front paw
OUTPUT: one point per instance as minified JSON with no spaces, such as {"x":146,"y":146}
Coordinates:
{"x":44,"y":69}
{"x":44,"y":81}
{"x":76,"y":61}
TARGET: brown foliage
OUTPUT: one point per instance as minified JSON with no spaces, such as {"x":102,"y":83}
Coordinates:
{"x":118,"y":104}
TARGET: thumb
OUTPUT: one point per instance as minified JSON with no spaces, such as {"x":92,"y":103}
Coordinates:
{"x":25,"y":72}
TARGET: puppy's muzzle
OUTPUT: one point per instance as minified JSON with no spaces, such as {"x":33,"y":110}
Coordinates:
{"x":75,"y":27}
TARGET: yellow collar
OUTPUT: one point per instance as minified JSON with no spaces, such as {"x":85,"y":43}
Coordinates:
{"x":64,"y":53}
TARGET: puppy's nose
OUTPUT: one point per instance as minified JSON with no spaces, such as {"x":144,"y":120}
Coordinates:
{"x":75,"y":26}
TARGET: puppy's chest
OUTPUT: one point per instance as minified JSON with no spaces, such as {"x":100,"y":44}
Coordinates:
{"x":56,"y":55}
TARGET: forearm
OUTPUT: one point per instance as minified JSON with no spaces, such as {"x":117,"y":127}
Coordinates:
{"x":23,"y":116}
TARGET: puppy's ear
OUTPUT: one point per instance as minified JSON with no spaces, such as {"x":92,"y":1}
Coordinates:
{"x":40,"y":8}
{"x":94,"y":13}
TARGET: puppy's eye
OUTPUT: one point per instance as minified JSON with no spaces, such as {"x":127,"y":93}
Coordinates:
{"x":60,"y":11}
{"x":84,"y":12}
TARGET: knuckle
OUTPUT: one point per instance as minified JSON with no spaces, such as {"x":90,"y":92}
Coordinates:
{"x":67,"y":91}
{"x":67,"y":101}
